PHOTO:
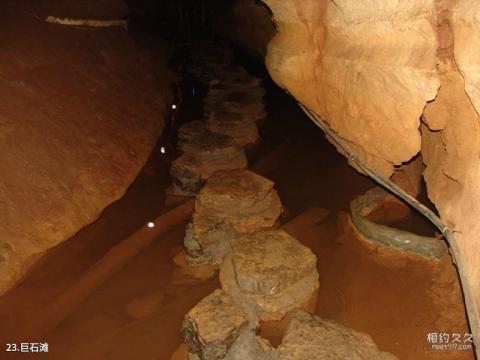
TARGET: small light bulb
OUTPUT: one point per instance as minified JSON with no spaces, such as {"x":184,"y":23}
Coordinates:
{"x":174,"y":106}
{"x":162,"y":150}
{"x":150,"y":224}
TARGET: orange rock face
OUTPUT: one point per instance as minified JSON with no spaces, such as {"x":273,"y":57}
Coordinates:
{"x":79,"y":117}
{"x":394,"y":79}
{"x":368,"y":69}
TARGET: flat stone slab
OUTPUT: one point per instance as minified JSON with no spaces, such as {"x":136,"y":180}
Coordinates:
{"x":206,"y":240}
{"x":402,"y":241}
{"x":234,"y":79}
{"x":270,"y":273}
{"x":247,"y":200}
{"x":242,"y":129}
{"x":191,"y":131}
{"x":247,"y":102}
{"x":213,"y":325}
{"x":203,"y":154}
{"x":231,"y":202}
{"x":309,"y":337}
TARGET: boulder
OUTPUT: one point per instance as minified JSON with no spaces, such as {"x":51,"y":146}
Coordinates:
{"x":238,"y":126}
{"x":248,"y":103}
{"x":213,"y":325}
{"x":270,"y":274}
{"x":235,"y":201}
{"x":204,"y":154}
{"x":82,"y":111}
{"x":190,"y":132}
{"x":309,"y":337}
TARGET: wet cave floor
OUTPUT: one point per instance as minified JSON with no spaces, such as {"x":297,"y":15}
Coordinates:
{"x":397,"y":303}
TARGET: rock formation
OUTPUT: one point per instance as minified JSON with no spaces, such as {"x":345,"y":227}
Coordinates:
{"x":218,"y":329}
{"x":81,"y":114}
{"x":236,"y":201}
{"x":270,"y":274}
{"x":384,"y":236}
{"x":309,"y":337}
{"x":204,"y":153}
{"x":393,"y":79}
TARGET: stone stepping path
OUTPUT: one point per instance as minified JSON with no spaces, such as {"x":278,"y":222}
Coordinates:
{"x":232,"y":202}
{"x":265,"y":274}
{"x":270,"y":273}
{"x":309,"y":337}
{"x":204,"y":152}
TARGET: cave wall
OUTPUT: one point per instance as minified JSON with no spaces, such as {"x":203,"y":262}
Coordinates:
{"x":394,"y":79}
{"x":81,"y":111}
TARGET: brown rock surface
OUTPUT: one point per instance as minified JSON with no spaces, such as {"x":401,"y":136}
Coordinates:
{"x":270,"y":274}
{"x":231,"y":202}
{"x":80,"y":115}
{"x":246,"y":200}
{"x":213,"y":325}
{"x":204,"y":153}
{"x":309,"y":337}
{"x":371,"y":69}
{"x":367,"y":69}
{"x":239,"y":127}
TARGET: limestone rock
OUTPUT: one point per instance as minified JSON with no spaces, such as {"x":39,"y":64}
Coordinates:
{"x":234,"y":79}
{"x":309,"y":337}
{"x":191,"y":131}
{"x":236,"y":125}
{"x":77,"y":124}
{"x":248,"y":103}
{"x":206,"y":239}
{"x":213,"y":325}
{"x":251,"y":347}
{"x":231,"y":202}
{"x":368,"y":69}
{"x":246,"y":200}
{"x":204,"y":154}
{"x":381,"y":235}
{"x":270,"y":274}
{"x":145,"y":305}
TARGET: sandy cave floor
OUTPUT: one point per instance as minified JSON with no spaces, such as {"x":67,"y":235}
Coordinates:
{"x":394,"y":305}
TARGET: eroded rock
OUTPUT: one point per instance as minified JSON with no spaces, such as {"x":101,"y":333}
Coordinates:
{"x":204,"y":153}
{"x":399,"y":240}
{"x":309,"y":337}
{"x":77,"y":123}
{"x":246,"y":102}
{"x":236,"y":125}
{"x":213,"y":325}
{"x":270,"y":274}
{"x":235,"y":201}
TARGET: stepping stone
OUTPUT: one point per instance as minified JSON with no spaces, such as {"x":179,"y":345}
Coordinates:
{"x":246,"y":200}
{"x":213,"y":325}
{"x":218,"y":329}
{"x":248,"y":103}
{"x":235,"y":201}
{"x":206,"y":240}
{"x":236,"y":78}
{"x":309,"y":337}
{"x":270,"y":274}
{"x":236,"y":125}
{"x":191,"y":131}
{"x":203,"y":155}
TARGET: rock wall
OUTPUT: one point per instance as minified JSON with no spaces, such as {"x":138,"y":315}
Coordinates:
{"x":79,"y":115}
{"x":394,"y":79}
